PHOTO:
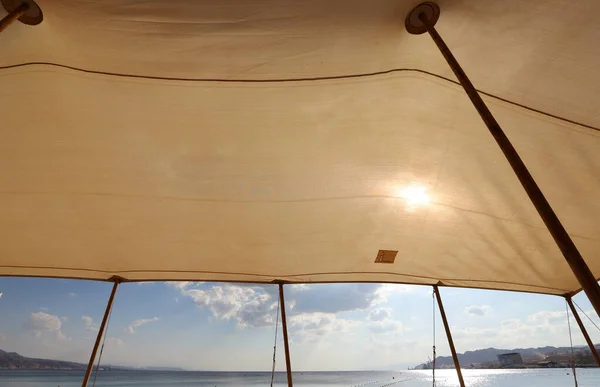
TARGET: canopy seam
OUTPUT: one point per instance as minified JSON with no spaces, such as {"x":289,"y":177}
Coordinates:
{"x":301,"y":79}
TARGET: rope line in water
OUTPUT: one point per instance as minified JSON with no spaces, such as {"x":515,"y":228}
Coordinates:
{"x":102,"y":347}
{"x":571,"y":340}
{"x":434,"y":354}
{"x":382,"y":381}
{"x":275,"y":344}
{"x":396,"y":382}
{"x":367,"y":383}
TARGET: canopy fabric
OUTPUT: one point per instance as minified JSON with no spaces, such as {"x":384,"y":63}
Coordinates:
{"x":226,"y":141}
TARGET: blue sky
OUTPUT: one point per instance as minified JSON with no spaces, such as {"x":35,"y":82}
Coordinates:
{"x":216,"y":326}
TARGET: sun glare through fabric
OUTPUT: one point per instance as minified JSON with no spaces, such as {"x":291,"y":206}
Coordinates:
{"x":414,"y":196}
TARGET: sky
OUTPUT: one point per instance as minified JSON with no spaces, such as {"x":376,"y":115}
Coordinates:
{"x":219,"y":326}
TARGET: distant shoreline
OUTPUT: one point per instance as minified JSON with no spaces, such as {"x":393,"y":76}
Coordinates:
{"x":141,"y":370}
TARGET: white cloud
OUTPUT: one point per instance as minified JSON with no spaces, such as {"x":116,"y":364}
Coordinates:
{"x":45,"y":309}
{"x":64,"y":318}
{"x":548,"y":317}
{"x":178,"y":284}
{"x":256,"y":306}
{"x":335,"y":298}
{"x":510,"y":323}
{"x":379,"y":314}
{"x":386,"y":326}
{"x":299,"y":287}
{"x":473,"y":332}
{"x":311,"y":308}
{"x":138,"y":323}
{"x":249,"y":306}
{"x":309,"y":327}
{"x":89,"y":324}
{"x":114,"y":342}
{"x":475,"y":310}
{"x":384,"y":291}
{"x":71,"y":294}
{"x":60,"y":336}
{"x":547,"y":327}
{"x":379,"y":321}
{"x":41,"y":322}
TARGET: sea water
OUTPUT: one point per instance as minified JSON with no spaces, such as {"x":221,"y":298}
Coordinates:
{"x":444,"y":378}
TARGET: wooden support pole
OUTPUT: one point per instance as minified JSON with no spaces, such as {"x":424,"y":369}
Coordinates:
{"x":13,"y":15}
{"x":449,"y":335}
{"x":422,"y":19}
{"x":583,"y":330}
{"x":288,"y":364}
{"x":90,"y":366}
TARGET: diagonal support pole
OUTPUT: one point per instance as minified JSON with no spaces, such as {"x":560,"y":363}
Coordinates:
{"x":436,"y":290}
{"x":588,"y":340}
{"x":90,"y":366}
{"x":288,"y":364}
{"x":422,"y":19}
{"x":26,"y":11}
{"x":13,"y":15}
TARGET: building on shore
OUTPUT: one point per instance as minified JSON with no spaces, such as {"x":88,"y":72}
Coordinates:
{"x":510,"y":360}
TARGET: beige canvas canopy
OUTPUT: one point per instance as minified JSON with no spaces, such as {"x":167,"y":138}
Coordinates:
{"x":272,"y":140}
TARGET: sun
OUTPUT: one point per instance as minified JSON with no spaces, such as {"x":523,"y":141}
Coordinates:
{"x":414,"y":195}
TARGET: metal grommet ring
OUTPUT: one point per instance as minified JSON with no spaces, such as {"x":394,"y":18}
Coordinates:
{"x":32,"y":16}
{"x":414,"y":25}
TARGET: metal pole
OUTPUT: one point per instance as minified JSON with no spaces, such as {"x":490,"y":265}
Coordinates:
{"x":288,"y":364}
{"x":589,"y":341}
{"x":90,"y":366}
{"x":427,"y":14}
{"x":13,"y":15}
{"x":449,"y":334}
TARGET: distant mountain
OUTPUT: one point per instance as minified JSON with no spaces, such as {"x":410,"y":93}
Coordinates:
{"x":13,"y":360}
{"x":489,"y":355}
{"x":161,"y":369}
{"x":122,"y":368}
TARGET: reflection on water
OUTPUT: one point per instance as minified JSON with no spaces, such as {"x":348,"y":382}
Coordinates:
{"x":444,"y":378}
